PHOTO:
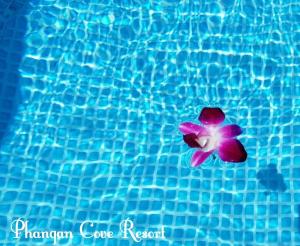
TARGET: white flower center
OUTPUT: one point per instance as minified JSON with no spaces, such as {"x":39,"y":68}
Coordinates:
{"x":210,"y":142}
{"x":202,"y":141}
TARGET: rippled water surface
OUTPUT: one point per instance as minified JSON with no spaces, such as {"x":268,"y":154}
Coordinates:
{"x":92,"y":93}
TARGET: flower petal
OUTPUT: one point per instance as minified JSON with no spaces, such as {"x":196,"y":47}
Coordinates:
{"x":189,"y":127}
{"x":190,"y":139}
{"x":199,"y":157}
{"x":232,"y":150}
{"x":211,"y":116}
{"x":230,"y":131}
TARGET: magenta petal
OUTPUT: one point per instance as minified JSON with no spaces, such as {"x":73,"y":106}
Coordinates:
{"x":232,"y":150}
{"x":190,"y":139}
{"x":199,"y":157}
{"x":231,"y":131}
{"x":211,"y":116}
{"x":188,"y":127}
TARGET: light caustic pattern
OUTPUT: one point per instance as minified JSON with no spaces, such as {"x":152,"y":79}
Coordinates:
{"x":104,"y":86}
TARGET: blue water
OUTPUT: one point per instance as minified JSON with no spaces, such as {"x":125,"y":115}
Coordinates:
{"x":91,"y":96}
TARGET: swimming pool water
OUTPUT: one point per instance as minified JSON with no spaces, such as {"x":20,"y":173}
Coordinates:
{"x":92,"y":93}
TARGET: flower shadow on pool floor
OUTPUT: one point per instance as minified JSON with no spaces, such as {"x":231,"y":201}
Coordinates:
{"x":271,"y":179}
{"x":13,"y":27}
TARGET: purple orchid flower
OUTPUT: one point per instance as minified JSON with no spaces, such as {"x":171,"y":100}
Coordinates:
{"x":212,"y":136}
